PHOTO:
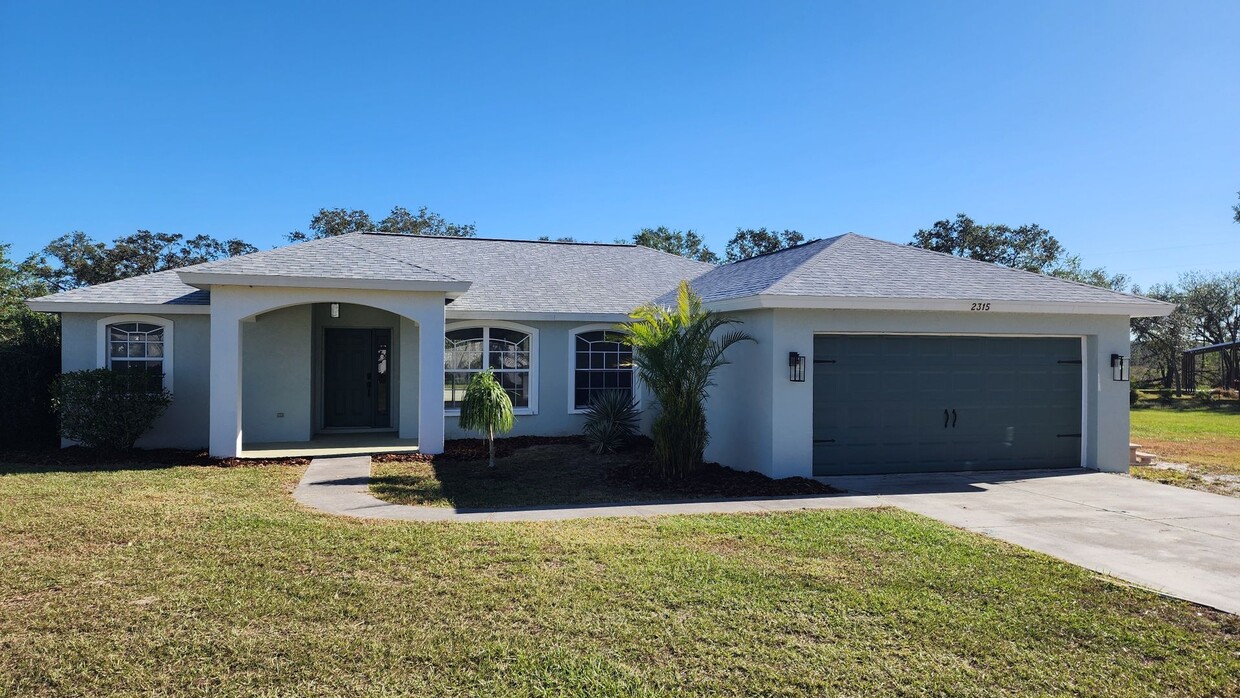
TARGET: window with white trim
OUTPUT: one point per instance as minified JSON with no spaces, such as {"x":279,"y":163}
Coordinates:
{"x":601,"y":363}
{"x":472,"y":350}
{"x":137,"y":349}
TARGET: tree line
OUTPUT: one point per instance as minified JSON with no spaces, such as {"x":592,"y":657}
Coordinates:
{"x":1207,"y":312}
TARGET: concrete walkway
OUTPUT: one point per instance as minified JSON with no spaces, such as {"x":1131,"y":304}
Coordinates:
{"x":341,"y":486}
{"x":1177,"y":541}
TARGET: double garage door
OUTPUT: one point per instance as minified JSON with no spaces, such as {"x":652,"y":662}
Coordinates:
{"x":905,"y":403}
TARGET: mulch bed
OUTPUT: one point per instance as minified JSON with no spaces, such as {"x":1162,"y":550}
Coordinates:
{"x":714,"y":480}
{"x":476,"y":449}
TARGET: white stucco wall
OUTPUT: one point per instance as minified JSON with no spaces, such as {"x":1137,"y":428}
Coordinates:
{"x":738,"y":413}
{"x":281,"y":373}
{"x":236,"y":310}
{"x":277,"y":376}
{"x":184,"y":424}
{"x":787,"y":449}
{"x":758,"y":419}
{"x":282,"y":369}
{"x":555,"y":416}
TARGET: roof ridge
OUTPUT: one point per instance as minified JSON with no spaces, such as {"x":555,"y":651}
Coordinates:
{"x":396,"y":259}
{"x":623,"y":245}
{"x":677,"y":256}
{"x":799,"y":245}
{"x":491,"y":239}
{"x":299,"y":243}
{"x":996,"y":265}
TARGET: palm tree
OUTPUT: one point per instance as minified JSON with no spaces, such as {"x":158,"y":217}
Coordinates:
{"x":675,"y":352}
{"x":487,"y":409}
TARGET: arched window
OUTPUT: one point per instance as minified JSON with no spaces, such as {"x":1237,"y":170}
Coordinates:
{"x":600,"y":362}
{"x":139,"y":346}
{"x":509,"y":351}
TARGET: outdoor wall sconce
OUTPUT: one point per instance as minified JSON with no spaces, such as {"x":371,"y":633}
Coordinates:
{"x":335,"y":310}
{"x":796,"y":367}
{"x":1119,"y":367}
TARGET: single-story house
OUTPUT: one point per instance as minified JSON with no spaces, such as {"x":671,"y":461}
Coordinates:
{"x":870,"y":356}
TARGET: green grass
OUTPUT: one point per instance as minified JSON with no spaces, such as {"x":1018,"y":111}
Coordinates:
{"x":209,"y":581}
{"x":1206,"y":437}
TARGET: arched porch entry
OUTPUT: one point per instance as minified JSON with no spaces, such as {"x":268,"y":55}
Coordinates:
{"x":286,"y":370}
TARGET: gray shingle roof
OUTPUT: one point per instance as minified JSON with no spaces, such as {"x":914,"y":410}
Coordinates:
{"x":854,"y":266}
{"x":506,"y":276}
{"x":548,"y":277}
{"x":160,"y":288}
{"x":519,"y":276}
{"x":340,"y":257}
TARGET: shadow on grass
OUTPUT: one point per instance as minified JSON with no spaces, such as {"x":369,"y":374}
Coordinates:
{"x":78,"y":459}
{"x":1189,"y":404}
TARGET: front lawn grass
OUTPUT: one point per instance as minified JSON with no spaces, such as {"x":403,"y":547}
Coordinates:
{"x":1204,"y":438}
{"x":204,"y":580}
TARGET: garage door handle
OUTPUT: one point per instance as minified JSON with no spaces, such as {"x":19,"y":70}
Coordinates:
{"x":945,"y":419}
{"x":953,"y":419}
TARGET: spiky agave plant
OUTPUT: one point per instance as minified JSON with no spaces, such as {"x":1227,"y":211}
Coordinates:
{"x":486,"y":408}
{"x":611,"y":420}
{"x":676,"y":351}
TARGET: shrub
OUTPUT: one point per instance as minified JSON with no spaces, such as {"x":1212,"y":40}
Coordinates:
{"x":676,"y":351}
{"x":102,"y":408}
{"x":28,"y":367}
{"x":611,"y":420}
{"x":487,"y":409}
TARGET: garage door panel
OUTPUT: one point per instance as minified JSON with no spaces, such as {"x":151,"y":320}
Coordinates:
{"x":885,"y":403}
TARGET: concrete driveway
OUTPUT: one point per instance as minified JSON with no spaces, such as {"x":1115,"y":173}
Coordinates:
{"x":1180,"y":542}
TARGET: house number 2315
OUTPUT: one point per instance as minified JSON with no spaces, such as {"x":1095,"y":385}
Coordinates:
{"x":979,"y":306}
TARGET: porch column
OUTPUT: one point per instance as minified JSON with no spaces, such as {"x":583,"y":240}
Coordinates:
{"x":430,"y":377}
{"x":225,"y":376}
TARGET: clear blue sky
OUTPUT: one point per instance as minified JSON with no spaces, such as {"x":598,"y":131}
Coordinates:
{"x":1115,"y":125}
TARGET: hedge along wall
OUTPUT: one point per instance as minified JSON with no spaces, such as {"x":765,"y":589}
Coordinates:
{"x":27,"y":369}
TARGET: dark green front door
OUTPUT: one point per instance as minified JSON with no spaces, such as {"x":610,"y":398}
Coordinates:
{"x":356,"y":378}
{"x":890,"y":403}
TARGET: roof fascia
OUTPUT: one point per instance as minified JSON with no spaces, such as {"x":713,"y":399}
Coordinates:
{"x":1133,"y":309}
{"x":205,"y":280}
{"x":450,"y":314}
{"x":112,"y":308}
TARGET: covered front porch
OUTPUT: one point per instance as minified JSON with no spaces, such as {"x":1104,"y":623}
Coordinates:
{"x":323,"y":445}
{"x":325,"y":371}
